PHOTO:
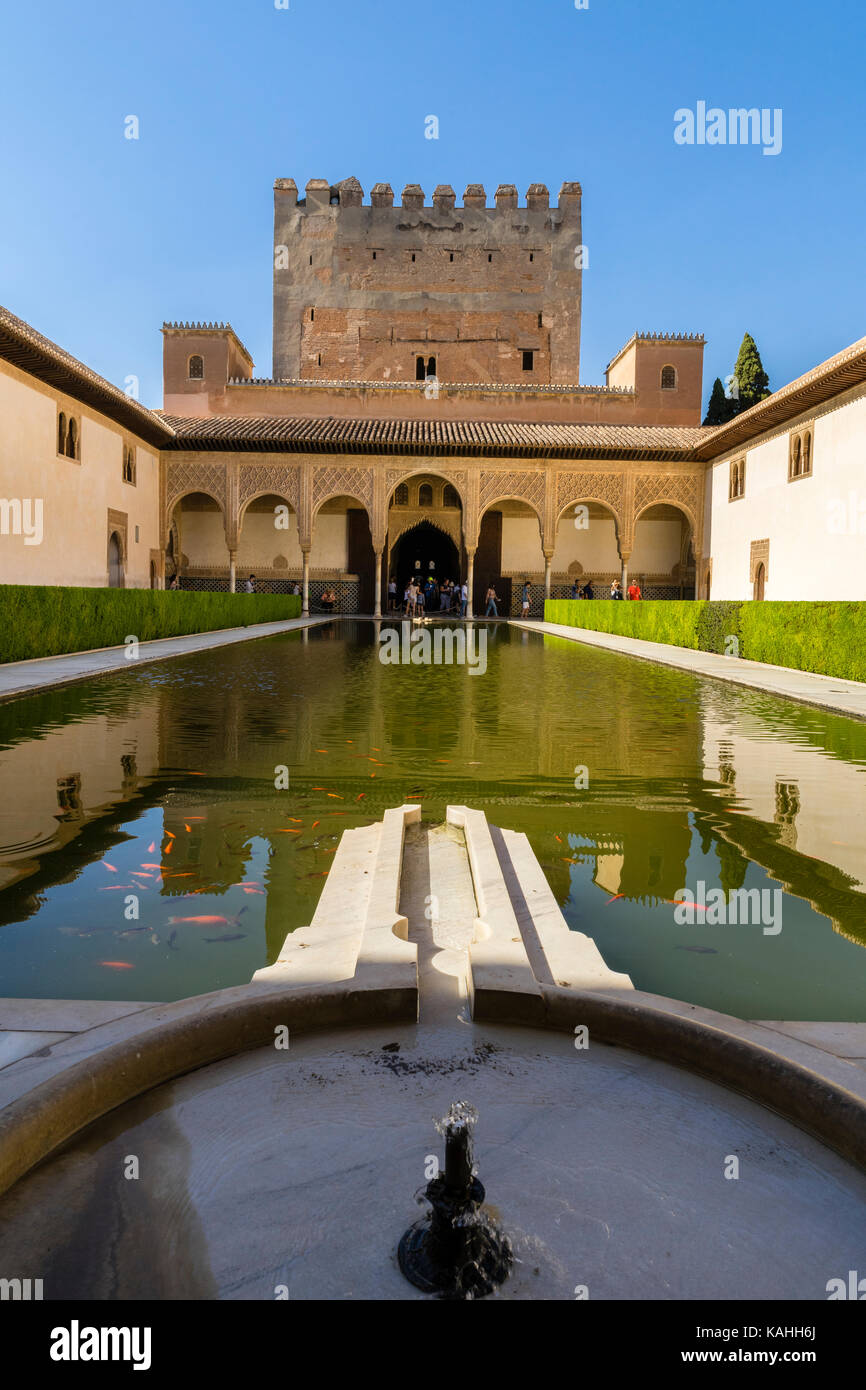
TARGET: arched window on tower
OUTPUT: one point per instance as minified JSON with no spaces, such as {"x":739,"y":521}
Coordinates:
{"x":61,"y":433}
{"x":401,"y":495}
{"x":669,"y":378}
{"x":420,"y":369}
{"x":449,"y":497}
{"x":425,"y":495}
{"x":431,"y":366}
{"x":72,"y":440}
{"x":196,"y":367}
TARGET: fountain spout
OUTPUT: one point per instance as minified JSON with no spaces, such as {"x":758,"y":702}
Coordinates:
{"x":457,"y":1251}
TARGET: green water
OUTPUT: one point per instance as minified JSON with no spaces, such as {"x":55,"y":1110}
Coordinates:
{"x":157,"y":787}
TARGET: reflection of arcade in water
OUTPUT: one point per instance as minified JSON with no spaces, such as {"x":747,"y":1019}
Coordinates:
{"x":676,"y":771}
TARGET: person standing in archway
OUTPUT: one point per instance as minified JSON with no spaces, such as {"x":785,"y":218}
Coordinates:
{"x":490,"y":598}
{"x":524,"y":610}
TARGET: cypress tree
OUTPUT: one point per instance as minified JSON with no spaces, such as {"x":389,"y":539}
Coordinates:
{"x":753,"y":384}
{"x":718,"y":410}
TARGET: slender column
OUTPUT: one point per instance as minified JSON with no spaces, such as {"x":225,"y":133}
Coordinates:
{"x":305,"y":587}
{"x":625,"y":556}
{"x":233,"y":566}
{"x":548,"y":561}
{"x":377,"y":599}
{"x":470,"y":580}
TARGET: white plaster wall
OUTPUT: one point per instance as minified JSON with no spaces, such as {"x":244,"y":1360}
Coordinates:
{"x":330,"y":542}
{"x":202,"y":538}
{"x":261,"y":541}
{"x":816,"y":526}
{"x":75,"y":496}
{"x":521,"y":544}
{"x":595,"y":548}
{"x":656,"y":546}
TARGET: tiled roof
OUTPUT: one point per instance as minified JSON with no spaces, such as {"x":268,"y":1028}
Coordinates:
{"x":830,"y":378}
{"x":337,"y":435}
{"x":37,"y":355}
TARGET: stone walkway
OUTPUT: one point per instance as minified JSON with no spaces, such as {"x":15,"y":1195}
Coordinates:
{"x":829,"y":692}
{"x":19,"y":678}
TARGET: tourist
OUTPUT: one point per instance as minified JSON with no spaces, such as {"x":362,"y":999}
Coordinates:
{"x":329,"y":599}
{"x":296,"y":589}
{"x":175,"y":582}
{"x":575,"y":592}
{"x":524,"y":610}
{"x":445,"y":596}
{"x":634,"y":592}
{"x":616,"y":589}
{"x":464,"y":599}
{"x":588,"y":591}
{"x":392,"y":595}
{"x":456,"y":598}
{"x":250,"y":585}
{"x":491,"y":600}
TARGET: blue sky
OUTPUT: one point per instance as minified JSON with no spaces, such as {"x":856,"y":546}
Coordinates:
{"x":102,"y":238}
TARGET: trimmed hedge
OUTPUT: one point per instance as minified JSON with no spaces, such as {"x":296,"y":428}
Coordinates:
{"x":38,"y":620}
{"x":826,"y":638}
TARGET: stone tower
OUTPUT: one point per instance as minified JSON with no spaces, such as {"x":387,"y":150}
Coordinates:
{"x":465,"y":293}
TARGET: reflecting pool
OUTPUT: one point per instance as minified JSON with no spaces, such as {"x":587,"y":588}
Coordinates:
{"x":150,"y":849}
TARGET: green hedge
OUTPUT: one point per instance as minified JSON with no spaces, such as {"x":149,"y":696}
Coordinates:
{"x":38,"y":620}
{"x":827,"y":638}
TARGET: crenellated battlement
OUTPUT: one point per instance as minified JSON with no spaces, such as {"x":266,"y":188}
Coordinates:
{"x":348,"y":193}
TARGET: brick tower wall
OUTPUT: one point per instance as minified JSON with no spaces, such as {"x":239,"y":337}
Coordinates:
{"x":361,"y":292}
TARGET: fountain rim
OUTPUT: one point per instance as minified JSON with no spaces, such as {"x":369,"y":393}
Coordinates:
{"x":57,"y":1096}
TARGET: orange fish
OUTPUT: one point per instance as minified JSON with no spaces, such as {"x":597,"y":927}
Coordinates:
{"x":254,"y":890}
{"x":336,"y":796}
{"x":110,"y":867}
{"x":196,"y":817}
{"x":188,"y":829}
{"x":169,"y":847}
{"x":614,"y":900}
{"x":116,"y":888}
{"x":204,"y":921}
{"x":315,"y":823}
{"x":360,"y":796}
{"x":372,"y":774}
{"x":137,"y":873}
{"x":170,"y":835}
{"x":350,"y":740}
{"x":118,"y":964}
{"x":150,"y":866}
{"x":188,"y":874}
{"x":289,"y":832}
{"x":151,"y":849}
{"x":320,"y":789}
{"x":558,"y":837}
{"x":375,"y":749}
{"x":321,"y":750}
{"x":296,"y":819}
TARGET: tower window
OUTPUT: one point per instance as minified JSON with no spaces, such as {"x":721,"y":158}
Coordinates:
{"x":425,"y":495}
{"x":320,"y":359}
{"x":529,"y":359}
{"x":312,"y":315}
{"x":61,"y":433}
{"x":540,"y":321}
{"x":450,"y":497}
{"x":669,"y":379}
{"x":451,"y":256}
{"x":532,"y":255}
{"x":431,"y":366}
{"x":196,"y":368}
{"x":374,"y":255}
{"x":413,"y":256}
{"x":311,"y":260}
{"x":489,"y":257}
{"x":737,"y":480}
{"x":128,"y":465}
{"x":420,"y":370}
{"x":401,"y":495}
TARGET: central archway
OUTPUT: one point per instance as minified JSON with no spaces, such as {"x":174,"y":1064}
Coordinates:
{"x":421,"y":551}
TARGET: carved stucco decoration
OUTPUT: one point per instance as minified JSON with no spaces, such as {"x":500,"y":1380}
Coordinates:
{"x":335,"y":481}
{"x":455,"y":476}
{"x":684,"y":490}
{"x":260,"y":480}
{"x":605,"y":488}
{"x":403,"y":519}
{"x":186,"y":477}
{"x":525,"y":485}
